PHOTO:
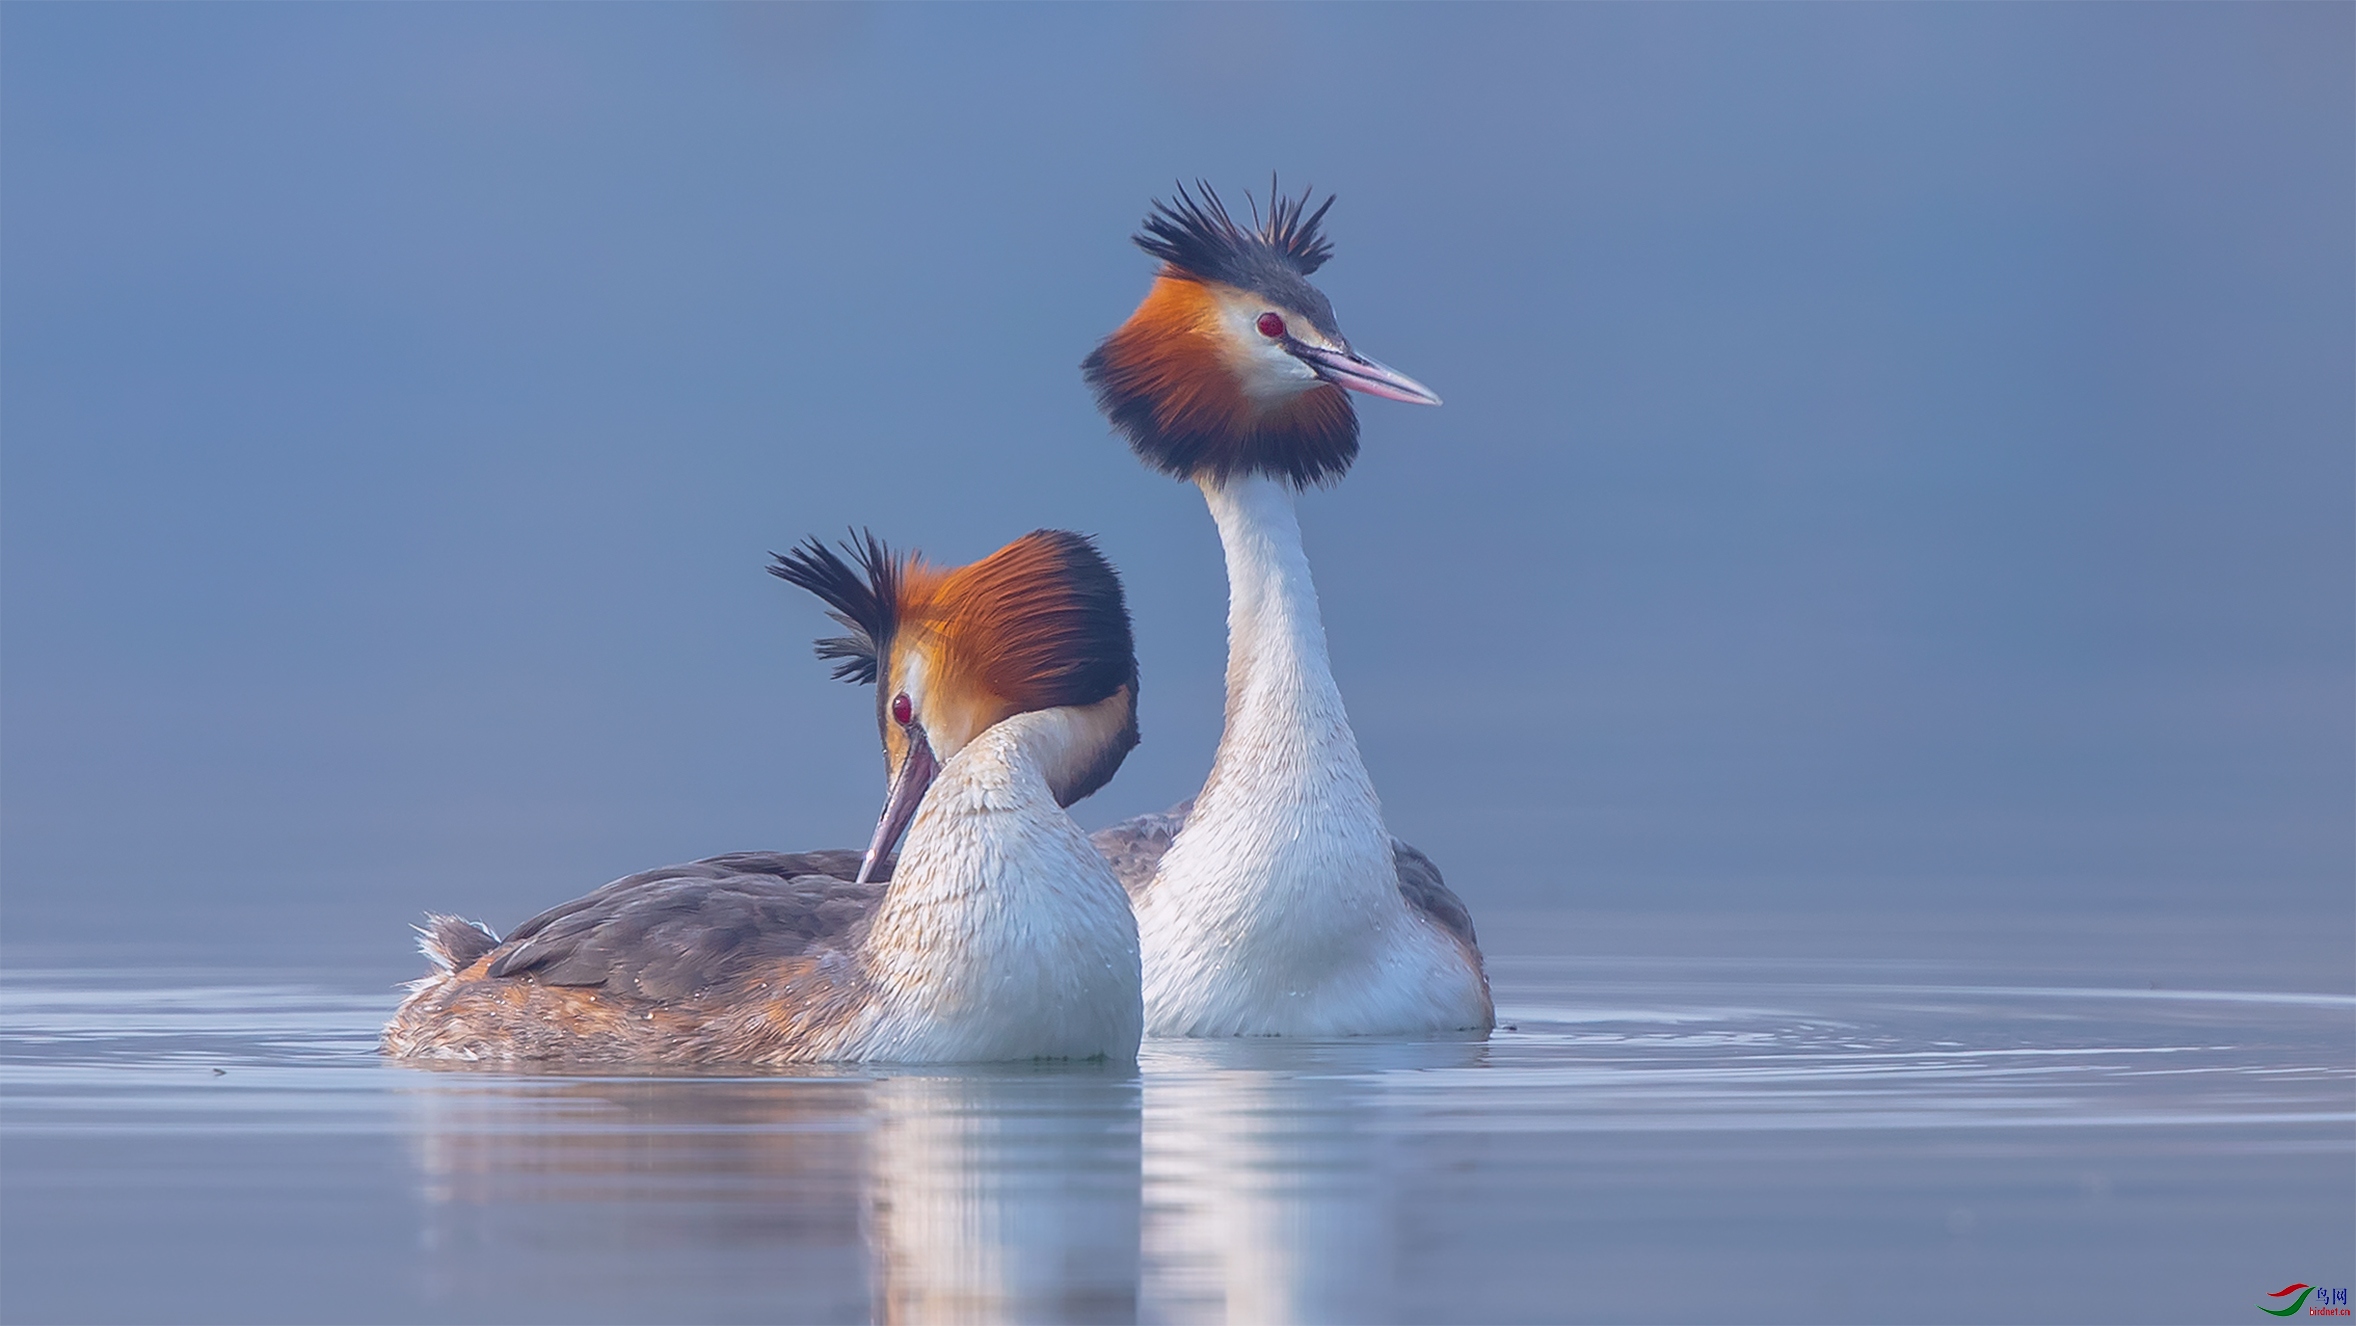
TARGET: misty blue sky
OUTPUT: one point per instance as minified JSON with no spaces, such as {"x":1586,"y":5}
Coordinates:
{"x":1896,"y":457}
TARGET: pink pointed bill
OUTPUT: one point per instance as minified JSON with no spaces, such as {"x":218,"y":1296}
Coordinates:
{"x":1355,"y":372}
{"x":916,"y":774}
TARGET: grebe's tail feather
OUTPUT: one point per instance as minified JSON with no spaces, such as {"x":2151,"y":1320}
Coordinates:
{"x":452,"y":943}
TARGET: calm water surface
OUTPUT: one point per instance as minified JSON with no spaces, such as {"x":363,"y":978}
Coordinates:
{"x":1654,"y":1138}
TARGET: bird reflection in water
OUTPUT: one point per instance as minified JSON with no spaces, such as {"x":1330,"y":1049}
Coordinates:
{"x":1236,"y":1180}
{"x":1009,"y":1193}
{"x":1268,"y":1195}
{"x":1011,"y":1197}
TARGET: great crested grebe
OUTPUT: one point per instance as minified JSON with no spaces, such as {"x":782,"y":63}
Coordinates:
{"x":1276,"y":903}
{"x":1007,"y":690}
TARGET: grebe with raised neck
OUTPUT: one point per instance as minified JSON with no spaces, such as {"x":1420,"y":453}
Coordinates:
{"x":1275,"y":903}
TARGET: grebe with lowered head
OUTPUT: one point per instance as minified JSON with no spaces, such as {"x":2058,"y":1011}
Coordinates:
{"x":1278,"y":904}
{"x":1006,"y":691}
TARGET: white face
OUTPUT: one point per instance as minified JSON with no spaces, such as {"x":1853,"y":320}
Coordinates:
{"x":949,"y":714}
{"x":1253,"y":331}
{"x":913,"y":669}
{"x":906,"y":693}
{"x":1076,"y":736}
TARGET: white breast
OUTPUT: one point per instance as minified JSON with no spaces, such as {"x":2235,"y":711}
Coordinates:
{"x":1005,"y":935}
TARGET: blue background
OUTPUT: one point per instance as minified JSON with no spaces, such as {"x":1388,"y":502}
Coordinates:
{"x":1896,"y":459}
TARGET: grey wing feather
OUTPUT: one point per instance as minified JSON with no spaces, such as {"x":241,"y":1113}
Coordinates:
{"x":672,"y":933}
{"x":1134,"y":848}
{"x":1425,"y":891}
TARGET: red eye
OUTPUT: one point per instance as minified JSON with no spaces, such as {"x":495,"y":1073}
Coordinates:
{"x":903,"y":712}
{"x":1271,"y":326}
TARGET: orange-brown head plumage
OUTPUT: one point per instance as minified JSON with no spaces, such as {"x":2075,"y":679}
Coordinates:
{"x":1190,"y":379}
{"x":1176,"y":380}
{"x":1039,"y":624}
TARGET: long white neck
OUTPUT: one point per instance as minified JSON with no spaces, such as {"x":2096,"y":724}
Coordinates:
{"x":1276,"y":659}
{"x":1287,"y":750}
{"x":1004,"y":934}
{"x":1278,"y":894}
{"x":1277,"y":909}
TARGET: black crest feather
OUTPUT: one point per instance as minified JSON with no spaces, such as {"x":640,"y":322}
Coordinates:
{"x":865,"y":598}
{"x":1198,"y":235}
{"x":1201,"y":236}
